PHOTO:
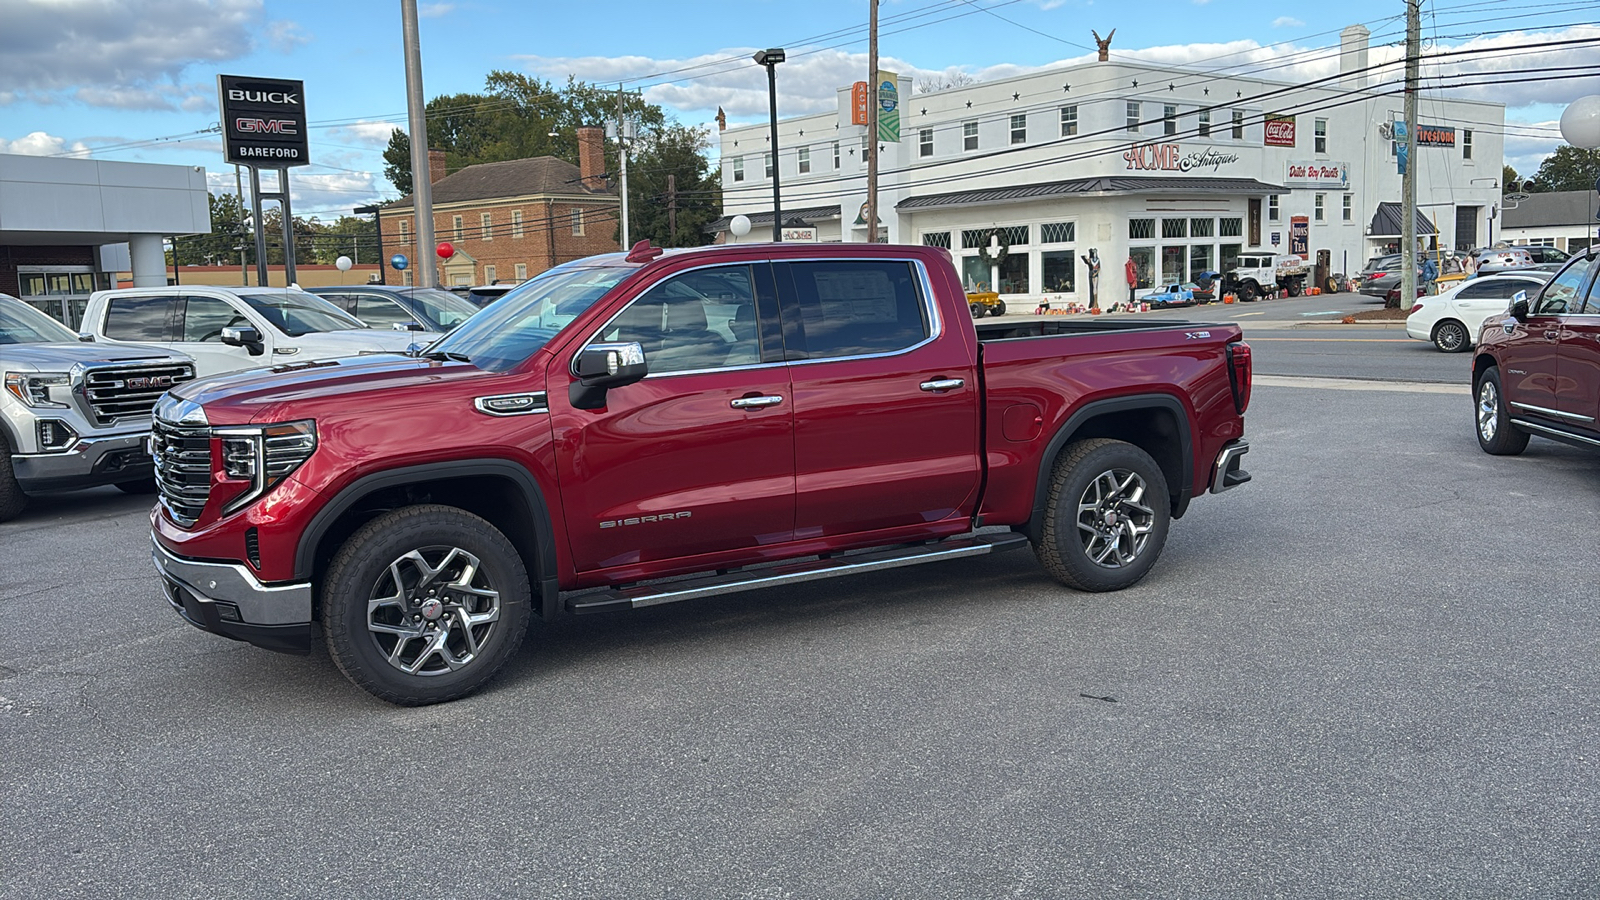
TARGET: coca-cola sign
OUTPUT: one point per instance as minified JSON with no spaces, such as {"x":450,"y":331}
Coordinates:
{"x":1279,"y":130}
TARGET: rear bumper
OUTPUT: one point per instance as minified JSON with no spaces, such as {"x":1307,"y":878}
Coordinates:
{"x":226,"y":599}
{"x":1227,"y":474}
{"x":90,"y":462}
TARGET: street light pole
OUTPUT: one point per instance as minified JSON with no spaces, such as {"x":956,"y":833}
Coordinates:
{"x":770,"y":58}
{"x":421,"y":184}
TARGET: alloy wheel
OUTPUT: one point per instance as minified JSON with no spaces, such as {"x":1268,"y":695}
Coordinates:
{"x":432,"y":611}
{"x":1113,"y":521}
{"x":1488,"y":410}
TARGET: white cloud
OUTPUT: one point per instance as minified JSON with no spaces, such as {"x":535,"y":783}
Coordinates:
{"x":435,"y":10}
{"x":128,"y":54}
{"x":1285,"y":22}
{"x":365,"y":134}
{"x":1528,"y":143}
{"x":285,"y":35}
{"x":39,"y":143}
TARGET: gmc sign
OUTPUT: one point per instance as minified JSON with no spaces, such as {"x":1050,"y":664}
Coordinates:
{"x":263,"y":121}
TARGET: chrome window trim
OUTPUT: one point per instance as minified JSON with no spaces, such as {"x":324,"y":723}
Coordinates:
{"x":540,"y":398}
{"x":1552,"y":412}
{"x":925,"y":287}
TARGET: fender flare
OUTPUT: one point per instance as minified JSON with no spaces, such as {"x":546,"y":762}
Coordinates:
{"x":1165,"y":402}
{"x":546,"y":584}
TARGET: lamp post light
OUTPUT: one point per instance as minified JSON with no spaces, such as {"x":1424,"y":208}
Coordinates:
{"x":770,"y":58}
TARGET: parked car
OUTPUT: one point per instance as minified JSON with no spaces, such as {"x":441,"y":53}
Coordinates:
{"x":74,"y":414}
{"x":1500,"y":257}
{"x":1380,"y":275}
{"x":1172,"y":295}
{"x":1537,"y":369}
{"x":225,"y":329}
{"x":1452,"y":319}
{"x":400,"y":308}
{"x":481,"y":295}
{"x":624,"y":423}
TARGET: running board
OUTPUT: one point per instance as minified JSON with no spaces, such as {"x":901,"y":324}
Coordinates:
{"x":794,"y":573}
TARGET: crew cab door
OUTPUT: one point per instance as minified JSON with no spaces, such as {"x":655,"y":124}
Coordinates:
{"x":699,"y":456}
{"x":1530,"y":357}
{"x":886,"y":414}
{"x":1578,"y":368}
{"x":197,"y":331}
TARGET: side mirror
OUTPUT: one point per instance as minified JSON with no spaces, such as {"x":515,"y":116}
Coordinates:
{"x":600,"y":367}
{"x":1519,"y":306}
{"x":86,"y":337}
{"x":408,"y":326}
{"x":245,"y":336}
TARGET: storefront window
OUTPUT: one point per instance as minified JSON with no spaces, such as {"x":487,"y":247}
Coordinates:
{"x":1232,"y":228}
{"x":1172,"y":265}
{"x":1058,"y":270}
{"x":1199,"y":261}
{"x":976,"y":275}
{"x":1144,"y":262}
{"x":1174,"y":228}
{"x":936,"y":239}
{"x":32,"y":285}
{"x":1202,"y":227}
{"x":1058,"y":232}
{"x":1014,"y":273}
{"x":1230,"y":257}
{"x":1141,"y":229}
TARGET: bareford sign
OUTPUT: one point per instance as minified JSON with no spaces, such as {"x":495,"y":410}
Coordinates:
{"x":263,"y":121}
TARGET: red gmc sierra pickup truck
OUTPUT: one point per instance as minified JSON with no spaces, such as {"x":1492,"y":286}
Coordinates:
{"x":628,"y":430}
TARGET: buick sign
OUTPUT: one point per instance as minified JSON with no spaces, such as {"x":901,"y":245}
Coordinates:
{"x":263,"y":121}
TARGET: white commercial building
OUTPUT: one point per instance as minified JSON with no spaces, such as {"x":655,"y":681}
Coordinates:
{"x":1176,"y":170}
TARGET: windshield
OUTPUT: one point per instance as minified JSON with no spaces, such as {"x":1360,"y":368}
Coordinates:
{"x":22,"y":324}
{"x":524,"y":320}
{"x":442,"y":310}
{"x":296,"y":313}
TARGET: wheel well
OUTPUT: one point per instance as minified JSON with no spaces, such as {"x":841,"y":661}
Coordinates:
{"x":1479,"y":363}
{"x":1151,"y":429}
{"x":497,"y":499}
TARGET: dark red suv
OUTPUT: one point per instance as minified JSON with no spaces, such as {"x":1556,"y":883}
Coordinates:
{"x":1538,"y":367}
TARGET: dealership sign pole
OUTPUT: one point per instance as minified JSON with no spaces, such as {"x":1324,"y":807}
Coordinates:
{"x":264,"y":127}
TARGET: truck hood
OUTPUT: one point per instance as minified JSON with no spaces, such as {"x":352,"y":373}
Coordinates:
{"x":330,"y":344}
{"x":64,"y":355}
{"x":311,"y":389}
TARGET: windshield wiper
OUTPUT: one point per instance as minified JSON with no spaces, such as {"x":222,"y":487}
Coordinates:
{"x":443,"y":355}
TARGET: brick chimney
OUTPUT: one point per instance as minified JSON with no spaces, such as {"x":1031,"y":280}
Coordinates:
{"x":592,"y":157}
{"x":436,"y":169}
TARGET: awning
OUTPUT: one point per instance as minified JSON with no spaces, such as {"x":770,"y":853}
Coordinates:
{"x":1389,"y":220}
{"x":792,"y":218}
{"x":1095,"y":187}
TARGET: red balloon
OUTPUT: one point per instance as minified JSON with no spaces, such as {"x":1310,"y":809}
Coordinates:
{"x":446,"y":250}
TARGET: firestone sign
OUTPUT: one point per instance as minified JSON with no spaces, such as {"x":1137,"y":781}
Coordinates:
{"x":263,"y":121}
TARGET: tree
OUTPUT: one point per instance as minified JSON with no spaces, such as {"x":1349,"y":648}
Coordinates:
{"x":1568,"y":169}
{"x":517,"y":117}
{"x":952,"y":78}
{"x":678,"y":151}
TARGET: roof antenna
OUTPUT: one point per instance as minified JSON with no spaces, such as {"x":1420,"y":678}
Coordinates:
{"x":642,"y":252}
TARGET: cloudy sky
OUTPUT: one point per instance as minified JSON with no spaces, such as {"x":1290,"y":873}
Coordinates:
{"x":136,"y":79}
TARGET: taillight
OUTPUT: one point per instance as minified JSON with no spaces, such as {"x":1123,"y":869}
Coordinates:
{"x":1240,"y":372}
{"x":1415,"y":308}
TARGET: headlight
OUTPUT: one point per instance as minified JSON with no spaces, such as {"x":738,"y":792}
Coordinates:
{"x":39,"y":389}
{"x":264,"y":455}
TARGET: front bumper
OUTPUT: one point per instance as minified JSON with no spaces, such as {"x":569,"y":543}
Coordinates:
{"x":1227,"y":474}
{"x":90,"y":462}
{"x":226,"y":599}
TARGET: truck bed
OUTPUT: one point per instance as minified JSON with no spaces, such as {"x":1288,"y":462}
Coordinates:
{"x":1051,"y":327}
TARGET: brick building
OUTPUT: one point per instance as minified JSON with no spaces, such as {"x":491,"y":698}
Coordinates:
{"x":512,"y":220}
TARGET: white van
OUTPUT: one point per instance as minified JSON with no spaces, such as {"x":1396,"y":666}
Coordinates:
{"x":226,"y":329}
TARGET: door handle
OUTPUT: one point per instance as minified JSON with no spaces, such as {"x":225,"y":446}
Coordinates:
{"x":943,"y":384}
{"x":1551,"y":335}
{"x":755,"y":402}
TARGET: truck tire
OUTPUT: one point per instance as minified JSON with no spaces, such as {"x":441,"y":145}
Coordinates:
{"x":1293,"y":287}
{"x":1496,"y":434}
{"x":1248,"y":292}
{"x":1106,"y":517}
{"x":12,"y":500}
{"x":1451,"y":336}
{"x":424,"y":604}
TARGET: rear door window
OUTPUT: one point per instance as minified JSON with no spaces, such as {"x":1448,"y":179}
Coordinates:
{"x":846,"y":308}
{"x":146,"y":318}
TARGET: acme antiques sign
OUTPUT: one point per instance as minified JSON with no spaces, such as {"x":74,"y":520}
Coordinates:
{"x":263,"y":121}
{"x":1171,"y":158}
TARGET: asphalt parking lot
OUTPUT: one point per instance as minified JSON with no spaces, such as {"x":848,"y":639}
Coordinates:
{"x":1371,"y":672}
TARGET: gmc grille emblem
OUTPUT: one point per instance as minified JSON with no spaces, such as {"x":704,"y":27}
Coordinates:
{"x":160,"y":381}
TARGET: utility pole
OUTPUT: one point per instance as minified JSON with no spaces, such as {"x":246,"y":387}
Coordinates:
{"x":622,"y":154}
{"x":421,"y":183}
{"x":1408,"y":179}
{"x":672,"y":209}
{"x":872,"y":123}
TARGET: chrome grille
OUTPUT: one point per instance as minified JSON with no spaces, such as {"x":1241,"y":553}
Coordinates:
{"x":130,"y":391}
{"x":183,"y":468}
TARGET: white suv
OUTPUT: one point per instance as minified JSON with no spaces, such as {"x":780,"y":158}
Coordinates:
{"x":226,"y":329}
